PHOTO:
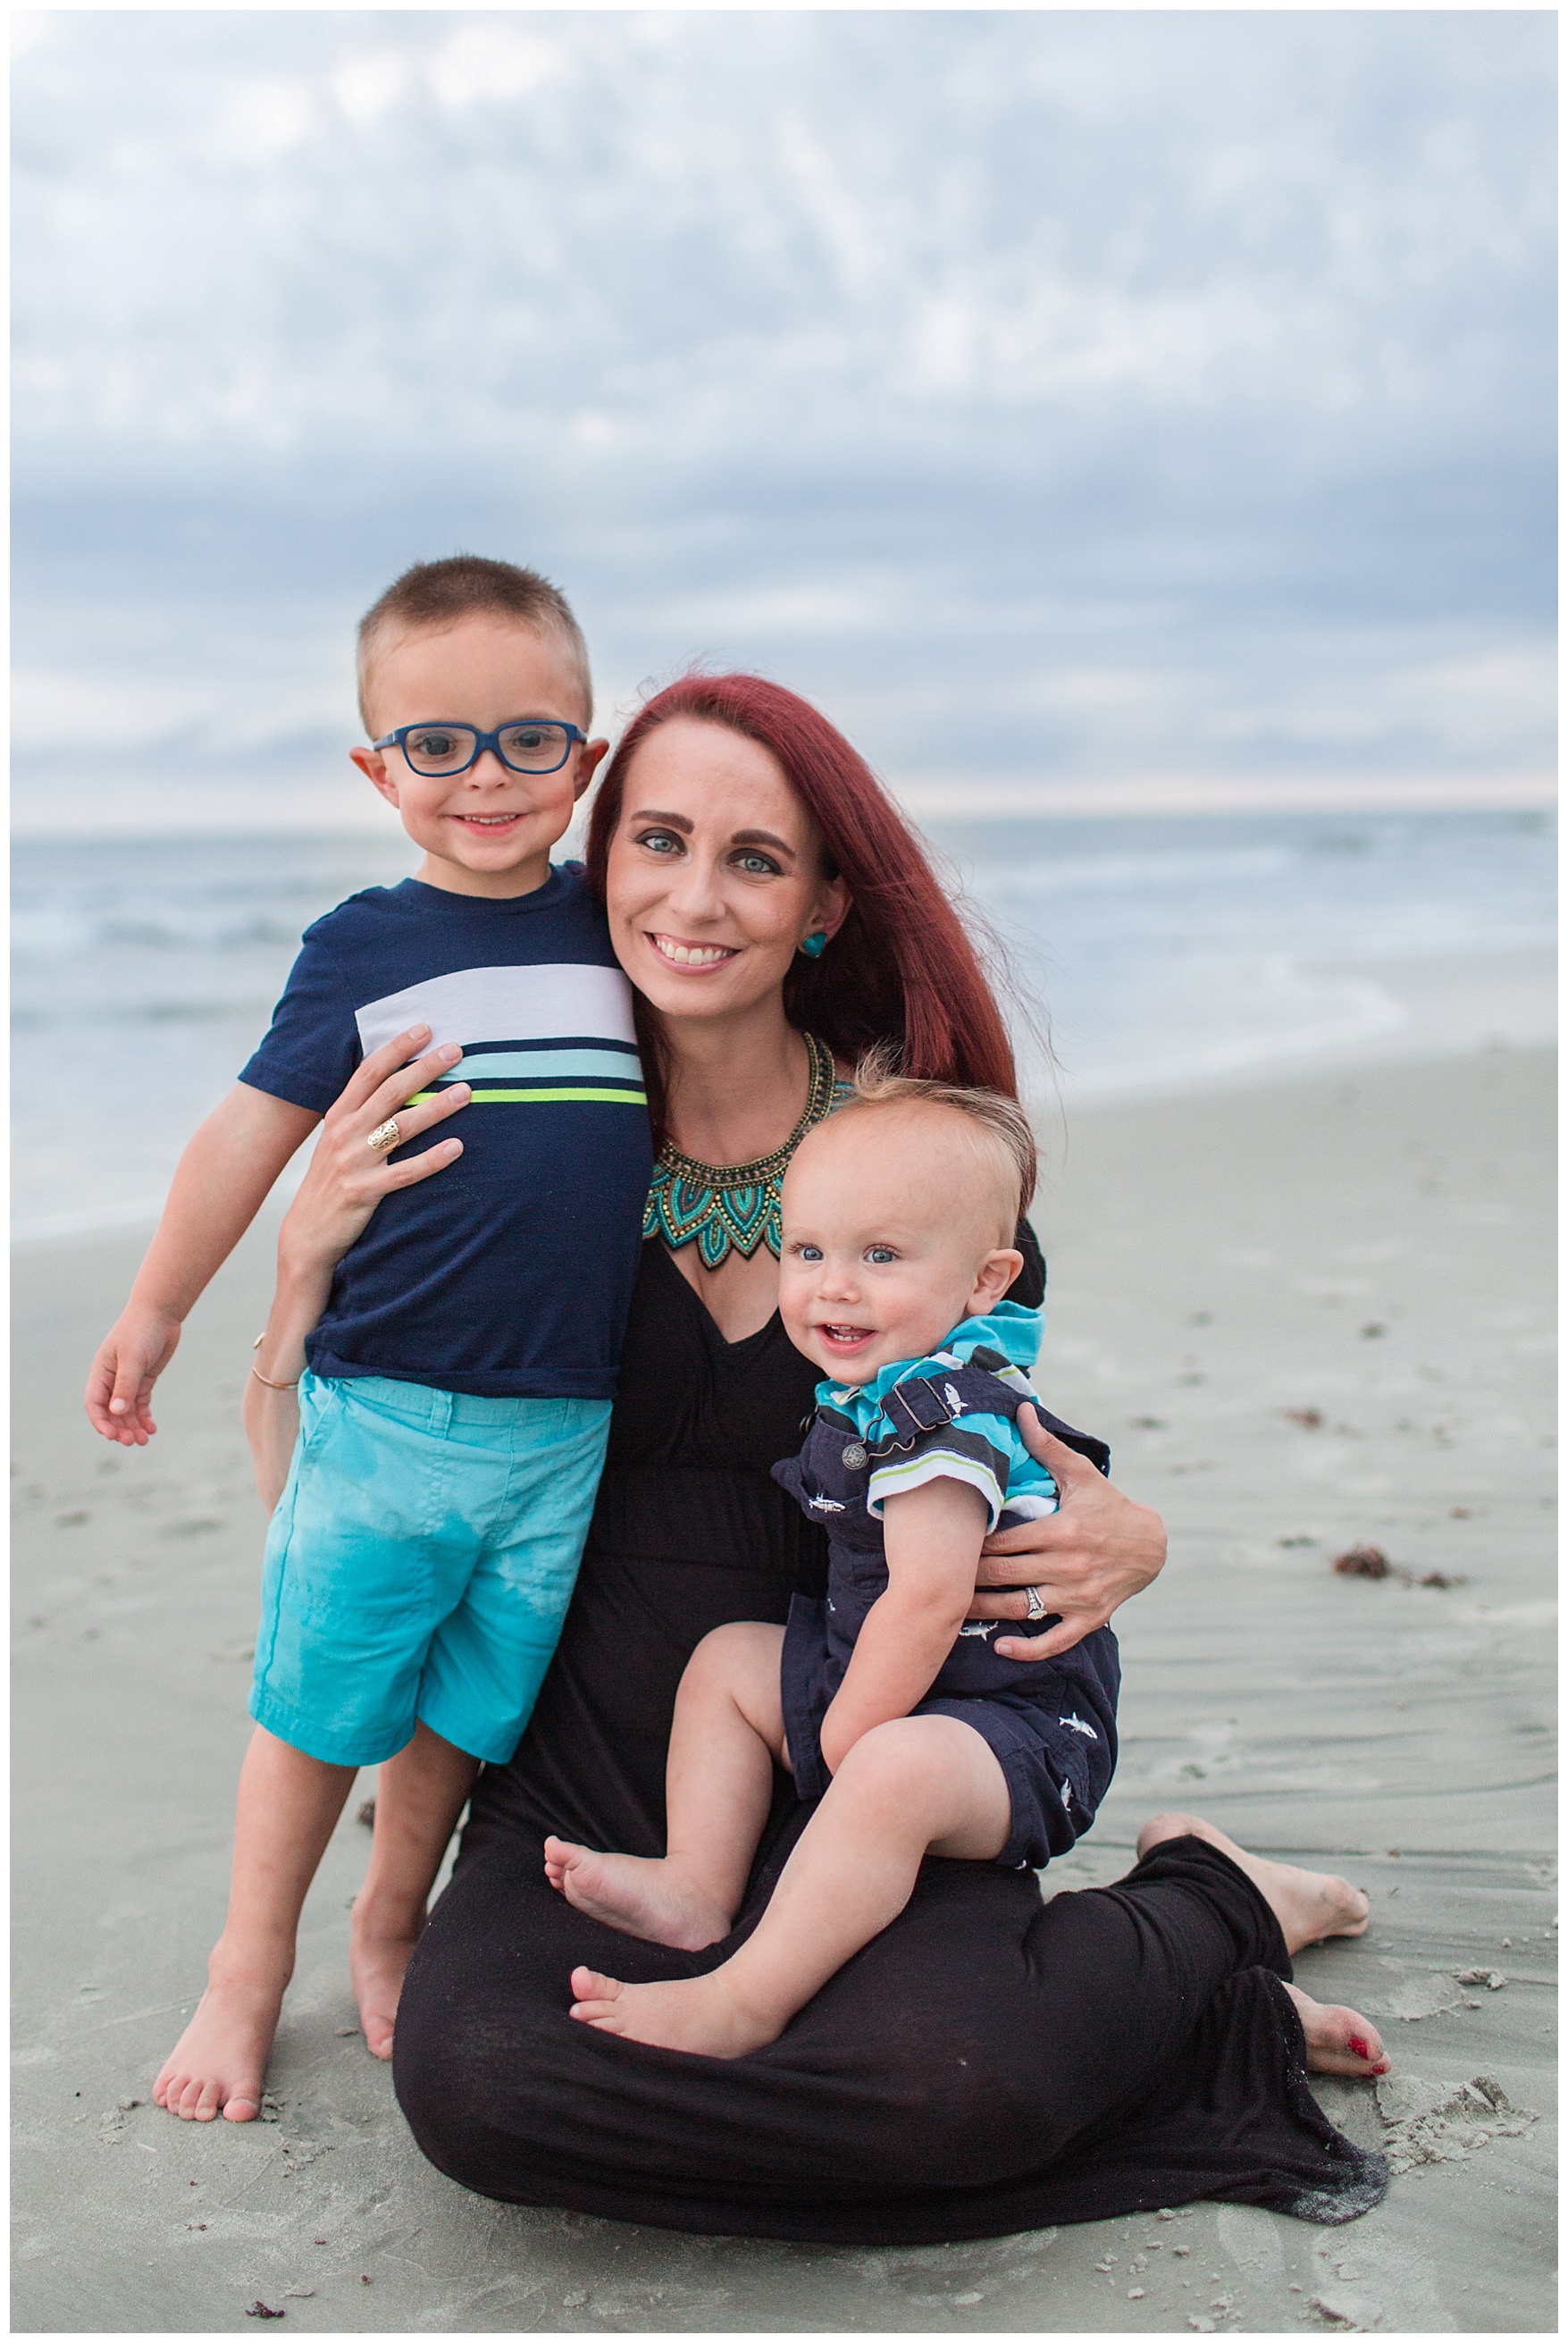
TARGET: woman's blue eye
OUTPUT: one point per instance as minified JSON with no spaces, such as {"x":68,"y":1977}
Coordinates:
{"x":757,"y":866}
{"x":660,"y":841}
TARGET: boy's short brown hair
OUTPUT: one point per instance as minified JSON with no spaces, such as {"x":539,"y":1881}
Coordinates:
{"x":1004,"y":1142}
{"x":434,"y":595}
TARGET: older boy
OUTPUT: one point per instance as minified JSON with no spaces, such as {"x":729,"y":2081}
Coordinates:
{"x":455,"y":1406}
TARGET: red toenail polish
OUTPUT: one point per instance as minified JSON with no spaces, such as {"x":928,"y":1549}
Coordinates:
{"x":1358,"y":2046}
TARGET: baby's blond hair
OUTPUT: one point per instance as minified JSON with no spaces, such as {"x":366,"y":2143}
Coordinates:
{"x":1004,"y":1143}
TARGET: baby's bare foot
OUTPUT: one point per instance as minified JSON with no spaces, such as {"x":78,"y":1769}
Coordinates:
{"x":218,"y":2065}
{"x":375,"y":1964}
{"x":1308,"y":1904}
{"x":695,"y":2014}
{"x":642,"y":1895}
{"x":1339,"y":2041}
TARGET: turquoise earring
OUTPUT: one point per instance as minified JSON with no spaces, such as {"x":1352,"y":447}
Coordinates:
{"x":814,"y":946}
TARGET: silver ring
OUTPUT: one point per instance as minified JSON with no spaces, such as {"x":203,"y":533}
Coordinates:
{"x":386,"y":1137}
{"x":1036,"y":1602}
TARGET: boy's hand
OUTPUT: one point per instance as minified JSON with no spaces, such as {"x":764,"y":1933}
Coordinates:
{"x":219,"y":1184}
{"x":1092,"y":1554}
{"x":131,"y":1356}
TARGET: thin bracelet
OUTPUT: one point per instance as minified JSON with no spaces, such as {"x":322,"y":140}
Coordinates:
{"x":260,"y":1377}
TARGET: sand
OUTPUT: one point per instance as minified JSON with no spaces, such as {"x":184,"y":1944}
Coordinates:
{"x":1306,"y":1316}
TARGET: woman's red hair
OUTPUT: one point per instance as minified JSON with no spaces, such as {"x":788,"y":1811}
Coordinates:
{"x":902,"y":969}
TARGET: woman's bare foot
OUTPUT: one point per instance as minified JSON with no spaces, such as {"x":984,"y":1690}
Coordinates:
{"x":1308,"y":1904}
{"x":218,"y":2064}
{"x":696,"y":2013}
{"x":377,"y":1962}
{"x":1339,"y":2041}
{"x":642,"y":1895}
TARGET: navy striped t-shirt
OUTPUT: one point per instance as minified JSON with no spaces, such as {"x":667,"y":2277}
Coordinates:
{"x":510,"y":1273}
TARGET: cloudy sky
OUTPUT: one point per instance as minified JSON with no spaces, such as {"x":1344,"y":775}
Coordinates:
{"x":1071,"y":397}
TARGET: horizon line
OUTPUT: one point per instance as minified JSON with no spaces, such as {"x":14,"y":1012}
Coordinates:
{"x":946,"y":800}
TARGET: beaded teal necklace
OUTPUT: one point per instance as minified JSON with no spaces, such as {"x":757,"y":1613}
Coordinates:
{"x":722,"y":1207}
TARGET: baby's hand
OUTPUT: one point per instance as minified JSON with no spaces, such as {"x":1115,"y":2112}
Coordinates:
{"x":131,"y":1357}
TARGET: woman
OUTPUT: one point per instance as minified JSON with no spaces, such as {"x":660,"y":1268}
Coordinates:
{"x":990,"y":2063}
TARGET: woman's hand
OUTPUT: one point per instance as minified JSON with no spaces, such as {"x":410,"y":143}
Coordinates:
{"x":1086,"y":1559}
{"x":346,"y":1177}
{"x":346,"y":1180}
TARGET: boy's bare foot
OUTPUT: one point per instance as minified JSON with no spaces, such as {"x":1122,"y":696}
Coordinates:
{"x":218,"y":2064}
{"x":1308,"y":1904}
{"x":377,"y":1963}
{"x":642,"y":1895}
{"x":687,"y":2013}
{"x":1339,"y":2041}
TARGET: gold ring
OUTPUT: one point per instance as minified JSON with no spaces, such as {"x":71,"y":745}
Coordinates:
{"x":385,"y":1137}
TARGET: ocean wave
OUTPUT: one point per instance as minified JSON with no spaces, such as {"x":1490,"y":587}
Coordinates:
{"x":105,"y":1214}
{"x":151,"y":935}
{"x":39,"y":937}
{"x":1083,"y":873}
{"x":1334,"y":1018}
{"x":65,"y":1016}
{"x":1172,"y":955}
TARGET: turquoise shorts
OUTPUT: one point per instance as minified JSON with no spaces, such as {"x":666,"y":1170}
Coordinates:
{"x":419,"y":1565}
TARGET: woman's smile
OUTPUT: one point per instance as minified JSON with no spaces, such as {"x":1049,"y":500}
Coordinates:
{"x":680,"y":954}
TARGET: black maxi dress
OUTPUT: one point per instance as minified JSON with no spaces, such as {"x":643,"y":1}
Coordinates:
{"x":990,"y":2063}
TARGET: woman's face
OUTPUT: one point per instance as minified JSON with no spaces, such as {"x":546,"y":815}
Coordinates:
{"x":715,"y":872}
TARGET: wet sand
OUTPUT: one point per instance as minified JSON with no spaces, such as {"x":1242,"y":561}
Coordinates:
{"x":1306,"y":1316}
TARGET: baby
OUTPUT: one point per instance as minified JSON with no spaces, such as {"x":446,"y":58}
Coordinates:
{"x":889,"y":1706}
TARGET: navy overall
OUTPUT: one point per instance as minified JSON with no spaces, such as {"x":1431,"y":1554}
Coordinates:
{"x":1052,"y":1723}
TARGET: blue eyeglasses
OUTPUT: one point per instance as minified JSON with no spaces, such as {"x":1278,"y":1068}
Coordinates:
{"x":528,"y":745}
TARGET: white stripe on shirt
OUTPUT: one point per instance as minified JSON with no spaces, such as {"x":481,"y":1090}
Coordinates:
{"x":505,"y":1004}
{"x":896,"y":1480}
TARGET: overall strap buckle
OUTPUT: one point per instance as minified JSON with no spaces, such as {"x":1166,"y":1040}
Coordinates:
{"x":919,"y":1404}
{"x":927,"y":1402}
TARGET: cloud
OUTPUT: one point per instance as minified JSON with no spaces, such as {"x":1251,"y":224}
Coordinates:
{"x":490,"y":62}
{"x":930,"y":361}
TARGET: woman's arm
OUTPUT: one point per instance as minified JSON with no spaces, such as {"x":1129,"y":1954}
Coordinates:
{"x":932,"y":1537}
{"x":270,"y":1409}
{"x":1087,"y":1559}
{"x":344,"y":1182}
